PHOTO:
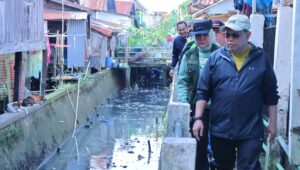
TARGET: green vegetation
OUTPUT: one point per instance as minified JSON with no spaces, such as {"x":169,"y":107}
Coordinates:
{"x":183,"y":10}
{"x":156,"y":34}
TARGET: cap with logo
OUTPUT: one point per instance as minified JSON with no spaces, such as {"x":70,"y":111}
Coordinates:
{"x":217,"y":24}
{"x":201,"y":27}
{"x":238,"y":23}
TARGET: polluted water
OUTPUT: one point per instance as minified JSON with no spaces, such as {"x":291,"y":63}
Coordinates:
{"x":122,"y":133}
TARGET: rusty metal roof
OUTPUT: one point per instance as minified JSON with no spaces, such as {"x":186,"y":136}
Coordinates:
{"x":102,"y":30}
{"x":112,"y":24}
{"x":99,"y":5}
{"x":124,"y":7}
{"x":55,"y":15}
{"x":72,"y":5}
{"x":104,"y":27}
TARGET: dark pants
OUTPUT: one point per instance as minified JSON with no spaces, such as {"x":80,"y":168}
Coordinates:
{"x":201,"y":153}
{"x":246,"y":152}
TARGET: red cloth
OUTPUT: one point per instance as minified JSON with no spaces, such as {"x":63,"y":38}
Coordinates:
{"x":48,"y":48}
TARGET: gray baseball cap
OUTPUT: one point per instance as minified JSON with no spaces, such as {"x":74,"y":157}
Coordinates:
{"x":238,"y":23}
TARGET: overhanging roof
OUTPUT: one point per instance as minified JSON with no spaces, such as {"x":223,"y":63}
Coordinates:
{"x":67,"y":15}
{"x":72,"y":5}
{"x":105,"y":27}
{"x":216,"y":8}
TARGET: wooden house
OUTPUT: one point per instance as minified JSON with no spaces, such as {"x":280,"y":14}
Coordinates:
{"x":104,"y":37}
{"x":21,"y":40}
{"x":68,"y":28}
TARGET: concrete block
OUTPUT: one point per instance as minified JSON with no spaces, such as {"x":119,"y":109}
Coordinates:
{"x":178,"y":113}
{"x":178,"y":154}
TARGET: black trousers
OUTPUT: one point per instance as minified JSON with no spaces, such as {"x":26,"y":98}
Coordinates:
{"x":201,"y":153}
{"x":227,"y":151}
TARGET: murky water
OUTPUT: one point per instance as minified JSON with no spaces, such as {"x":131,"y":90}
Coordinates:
{"x":123,"y":133}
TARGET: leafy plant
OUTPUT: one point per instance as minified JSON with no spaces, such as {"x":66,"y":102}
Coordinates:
{"x":156,"y":35}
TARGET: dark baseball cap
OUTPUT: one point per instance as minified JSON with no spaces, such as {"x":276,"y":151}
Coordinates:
{"x":217,"y":24}
{"x":201,"y":27}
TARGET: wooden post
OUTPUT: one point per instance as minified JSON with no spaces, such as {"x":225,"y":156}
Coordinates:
{"x":164,"y":74}
{"x":44,"y":74}
{"x":18,"y":73}
{"x":128,"y":73}
{"x":294,"y":140}
{"x":8,"y":77}
{"x":55,"y":55}
{"x":62,"y":42}
{"x":126,"y":50}
{"x":126,"y":61}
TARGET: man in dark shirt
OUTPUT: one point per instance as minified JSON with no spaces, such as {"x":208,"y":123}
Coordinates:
{"x":178,"y":44}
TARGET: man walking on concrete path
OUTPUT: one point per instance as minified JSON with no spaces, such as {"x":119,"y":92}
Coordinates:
{"x":217,"y":27}
{"x":191,"y":66}
{"x":178,"y":44}
{"x":240,"y":81}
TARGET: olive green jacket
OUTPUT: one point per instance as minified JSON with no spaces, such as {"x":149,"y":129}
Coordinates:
{"x":189,"y":71}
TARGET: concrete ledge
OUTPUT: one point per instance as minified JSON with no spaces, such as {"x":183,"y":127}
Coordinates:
{"x":26,"y":139}
{"x":178,"y":113}
{"x":178,"y":154}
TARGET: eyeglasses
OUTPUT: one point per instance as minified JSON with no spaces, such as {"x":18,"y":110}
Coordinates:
{"x":233,"y":35}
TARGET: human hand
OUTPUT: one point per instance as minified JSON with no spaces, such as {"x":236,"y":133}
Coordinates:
{"x":171,"y":73}
{"x":271,"y":131}
{"x":198,"y":129}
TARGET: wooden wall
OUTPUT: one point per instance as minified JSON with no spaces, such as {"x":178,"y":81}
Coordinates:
{"x":21,"y":26}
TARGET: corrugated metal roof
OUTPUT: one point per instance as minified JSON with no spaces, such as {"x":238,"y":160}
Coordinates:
{"x":113,"y":26}
{"x":55,"y":15}
{"x":105,"y":27}
{"x":99,"y":5}
{"x":102,"y":30}
{"x":124,"y":7}
{"x":70,"y":4}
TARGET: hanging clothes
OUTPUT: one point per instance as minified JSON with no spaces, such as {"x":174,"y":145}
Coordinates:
{"x":48,"y":48}
{"x":238,"y":4}
{"x":265,"y":7}
{"x":247,"y":9}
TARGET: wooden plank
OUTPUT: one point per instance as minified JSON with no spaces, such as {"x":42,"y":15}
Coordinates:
{"x":22,"y":46}
{"x":294,"y":142}
{"x":44,"y":74}
{"x":2,"y":21}
{"x":22,"y":23}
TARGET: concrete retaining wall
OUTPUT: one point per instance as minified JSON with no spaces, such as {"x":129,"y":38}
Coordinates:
{"x":26,"y":139}
{"x":178,"y":154}
{"x":178,"y":148}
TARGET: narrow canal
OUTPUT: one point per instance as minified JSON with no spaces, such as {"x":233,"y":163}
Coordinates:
{"x":122,"y":133}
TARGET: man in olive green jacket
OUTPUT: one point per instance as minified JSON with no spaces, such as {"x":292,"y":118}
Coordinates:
{"x":190,"y":68}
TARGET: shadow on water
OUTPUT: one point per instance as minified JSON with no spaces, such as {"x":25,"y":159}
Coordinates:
{"x":121,"y":133}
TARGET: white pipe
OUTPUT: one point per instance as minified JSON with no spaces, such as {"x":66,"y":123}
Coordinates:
{"x":76,"y":111}
{"x":71,"y":102}
{"x":87,"y":69}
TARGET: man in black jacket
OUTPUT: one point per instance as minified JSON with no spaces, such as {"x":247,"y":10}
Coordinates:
{"x":239,"y":81}
{"x":178,"y":44}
